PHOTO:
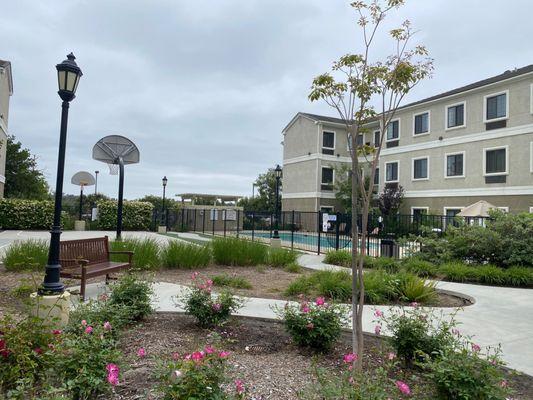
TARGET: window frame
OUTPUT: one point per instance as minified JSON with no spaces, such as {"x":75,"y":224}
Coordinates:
{"x":506,"y":92}
{"x":413,"y":168}
{"x":399,"y":131}
{"x":446,"y":176}
{"x":445,"y":209}
{"x":426,"y":209}
{"x":531,"y":210}
{"x":428,"y":112}
{"x":506,"y":172}
{"x":322,"y":140}
{"x":374,"y":136}
{"x":377,"y":175}
{"x":322,"y":175}
{"x":385,"y":169}
{"x":446,"y":128}
{"x":332,"y":208}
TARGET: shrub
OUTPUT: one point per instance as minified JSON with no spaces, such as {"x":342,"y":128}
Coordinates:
{"x":303,"y":285}
{"x":209,"y":311}
{"x":146,"y":254}
{"x":338,"y":257}
{"x":332,"y":284}
{"x":234,"y":251}
{"x":416,"y":333}
{"x":237,"y":282}
{"x":26,"y":255}
{"x":281,"y":257}
{"x":98,"y":312}
{"x":186,"y":256}
{"x":414,"y":289}
{"x":488,"y":274}
{"x":137,"y":215}
{"x":457,"y":272}
{"x":380,"y":287}
{"x":133,"y":295}
{"x":26,"y":214}
{"x":466,"y":374}
{"x":420,"y":267}
{"x":293,"y":268}
{"x":199,"y":375}
{"x":519,"y":276}
{"x":385,"y":263}
{"x":313,"y":324}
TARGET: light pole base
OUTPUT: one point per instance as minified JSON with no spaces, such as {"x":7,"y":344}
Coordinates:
{"x":79,"y":225}
{"x":275,"y":243}
{"x":53,"y":310}
{"x":161,"y":229}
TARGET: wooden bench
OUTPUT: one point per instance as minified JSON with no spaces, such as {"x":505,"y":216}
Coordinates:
{"x":87,"y":258}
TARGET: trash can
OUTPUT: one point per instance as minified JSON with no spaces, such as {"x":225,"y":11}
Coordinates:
{"x":387,"y":247}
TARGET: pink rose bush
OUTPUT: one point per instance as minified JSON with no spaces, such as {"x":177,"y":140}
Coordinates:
{"x":199,"y":375}
{"x":316,"y":324}
{"x":208,"y":309}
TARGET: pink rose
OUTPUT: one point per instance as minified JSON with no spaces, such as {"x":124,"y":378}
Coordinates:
{"x":38,"y":350}
{"x":223,"y":354}
{"x":349,"y":358}
{"x":107,"y":326}
{"x":112,"y":374}
{"x":476,"y":347}
{"x":239,"y":386}
{"x":320,"y":301}
{"x":194,"y":275}
{"x":391,"y":356}
{"x":310,"y":325}
{"x":378,"y":313}
{"x":414,"y":304}
{"x":84,"y":323}
{"x":217,"y":307}
{"x":403,"y":387}
{"x":377,"y":330}
{"x":209,"y":350}
{"x":57,"y":331}
{"x":305,"y":309}
{"x":89,"y":330}
{"x":197,"y":356}
{"x":503,"y":384}
{"x":141,"y":353}
{"x":175,"y":356}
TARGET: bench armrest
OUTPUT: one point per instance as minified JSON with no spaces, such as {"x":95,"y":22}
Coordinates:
{"x":129,"y":253}
{"x":80,"y":261}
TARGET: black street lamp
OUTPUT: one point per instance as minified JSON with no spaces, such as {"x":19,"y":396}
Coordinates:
{"x":165,"y":180}
{"x":96,"y":182}
{"x":68,"y":77}
{"x":278,"y":171}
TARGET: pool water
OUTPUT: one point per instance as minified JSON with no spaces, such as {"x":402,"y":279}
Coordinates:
{"x":327,"y":241}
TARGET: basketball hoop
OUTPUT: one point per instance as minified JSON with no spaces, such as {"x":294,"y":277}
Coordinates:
{"x":113,"y":169}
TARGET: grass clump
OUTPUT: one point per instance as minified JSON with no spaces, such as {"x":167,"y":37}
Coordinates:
{"x":237,"y":282}
{"x":338,"y":257}
{"x":332,"y":284}
{"x":519,"y":276}
{"x":26,"y":255}
{"x":388,"y":264}
{"x":420,"y":267}
{"x":415,"y":289}
{"x":233,"y":251}
{"x":293,"y":268}
{"x":457,"y":272}
{"x":489,"y":274}
{"x":281,"y":257}
{"x":146,"y":252}
{"x":185,"y":255}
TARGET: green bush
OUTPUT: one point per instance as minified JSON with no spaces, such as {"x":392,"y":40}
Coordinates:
{"x":146,"y":252}
{"x":415,"y":289}
{"x":519,"y":276}
{"x":209,"y":311}
{"x":132,"y":294}
{"x":489,"y":274}
{"x":234,"y":251}
{"x":420,"y":267}
{"x":336,"y":285}
{"x":237,"y":282}
{"x":293,"y":268}
{"x":186,"y":256}
{"x":281,"y":257}
{"x":26,"y":214}
{"x":457,"y":272}
{"x":385,"y":263}
{"x":26,"y":255}
{"x":136,"y":215}
{"x":338,"y":257}
{"x":314,"y":324}
{"x":380,"y":287}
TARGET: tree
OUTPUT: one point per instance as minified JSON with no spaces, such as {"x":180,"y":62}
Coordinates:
{"x":354,"y":83}
{"x":343,"y":187}
{"x":390,"y":199}
{"x":265,"y":200}
{"x":157,"y":201}
{"x":23,"y":179}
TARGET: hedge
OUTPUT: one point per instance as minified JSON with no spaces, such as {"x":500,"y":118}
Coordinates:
{"x":136,"y":215}
{"x":26,"y":214}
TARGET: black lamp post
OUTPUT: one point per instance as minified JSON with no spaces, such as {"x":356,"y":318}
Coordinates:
{"x":278,"y":177}
{"x":165,"y":180}
{"x":96,"y":182}
{"x":68,"y":77}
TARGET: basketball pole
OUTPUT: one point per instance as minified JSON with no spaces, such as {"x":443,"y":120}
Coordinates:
{"x":120,"y":197}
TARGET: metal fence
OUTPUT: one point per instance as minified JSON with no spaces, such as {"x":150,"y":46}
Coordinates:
{"x":316,"y":232}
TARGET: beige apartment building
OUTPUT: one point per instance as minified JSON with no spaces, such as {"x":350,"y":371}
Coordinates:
{"x":6,"y":90}
{"x":447,"y":151}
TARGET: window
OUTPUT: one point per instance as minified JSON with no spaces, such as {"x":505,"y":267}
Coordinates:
{"x":531,"y":210}
{"x":496,"y":106}
{"x":504,"y":209}
{"x":455,"y":116}
{"x":360,"y":139}
{"x":450,"y":214}
{"x":495,"y":161}
{"x":376,"y":177}
{"x":393,"y":130}
{"x":421,"y":123}
{"x":377,"y":138}
{"x":420,"y":168}
{"x":392,"y":171}
{"x":328,"y":142}
{"x":418,"y":213}
{"x":455,"y":165}
{"x":327,"y":178}
{"x":326,"y":209}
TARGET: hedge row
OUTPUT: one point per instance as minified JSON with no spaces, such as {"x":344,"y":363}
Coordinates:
{"x":136,"y":215}
{"x":26,"y":214}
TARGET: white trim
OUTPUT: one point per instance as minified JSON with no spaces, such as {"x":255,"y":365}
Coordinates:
{"x":374,"y":136}
{"x":506,"y":93}
{"x":449,"y":141}
{"x":322,"y":174}
{"x":322,"y":147}
{"x":470,"y":192}
{"x":531,"y":98}
{"x":387,"y":129}
{"x":446,"y":128}
{"x":418,"y":208}
{"x":2,"y":179}
{"x":446,"y":165}
{"x":308,"y":195}
{"x":445,"y":209}
{"x":428,"y":112}
{"x":531,"y":157}
{"x":531,"y":210}
{"x":294,"y":119}
{"x":413,"y":168}
{"x":385,"y":169}
{"x":3,"y":126}
{"x":504,"y":209}
{"x":506,"y":172}
{"x":330,"y":207}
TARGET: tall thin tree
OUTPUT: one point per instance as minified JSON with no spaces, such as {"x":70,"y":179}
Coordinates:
{"x":366,"y":91}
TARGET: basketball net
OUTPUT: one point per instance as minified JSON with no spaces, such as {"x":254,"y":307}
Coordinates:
{"x":113,"y":169}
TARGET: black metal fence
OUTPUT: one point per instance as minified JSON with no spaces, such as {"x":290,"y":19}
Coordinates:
{"x":317,"y":232}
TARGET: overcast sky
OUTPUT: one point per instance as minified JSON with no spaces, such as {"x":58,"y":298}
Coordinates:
{"x":204,"y":88}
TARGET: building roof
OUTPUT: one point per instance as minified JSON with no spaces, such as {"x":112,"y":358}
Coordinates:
{"x":476,"y":85}
{"x":6,"y":65}
{"x":222,"y":197}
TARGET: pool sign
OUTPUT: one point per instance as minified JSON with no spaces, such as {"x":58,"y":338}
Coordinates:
{"x":326,"y":221}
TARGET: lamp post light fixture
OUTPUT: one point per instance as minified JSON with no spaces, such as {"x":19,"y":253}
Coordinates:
{"x":278,"y":171}
{"x":165,"y":180}
{"x":96,"y":182}
{"x":68,"y":77}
